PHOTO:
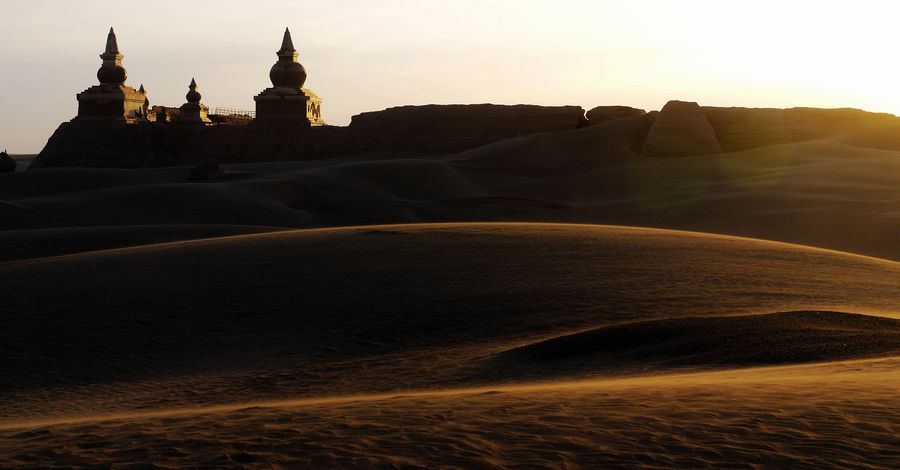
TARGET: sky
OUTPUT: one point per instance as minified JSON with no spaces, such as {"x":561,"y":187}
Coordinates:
{"x":370,"y":55}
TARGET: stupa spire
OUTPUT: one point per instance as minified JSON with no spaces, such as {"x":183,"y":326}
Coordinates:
{"x":287,"y":53}
{"x":287,"y":44}
{"x":112,"y":46}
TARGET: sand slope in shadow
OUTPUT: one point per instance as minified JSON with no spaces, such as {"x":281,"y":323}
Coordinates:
{"x":705,"y":342}
{"x":475,"y":338}
{"x":39,"y":243}
{"x":838,"y":192}
{"x":354,"y":310}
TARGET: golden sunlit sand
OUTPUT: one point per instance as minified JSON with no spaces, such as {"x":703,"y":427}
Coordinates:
{"x":470,"y":345}
{"x":840,"y":414}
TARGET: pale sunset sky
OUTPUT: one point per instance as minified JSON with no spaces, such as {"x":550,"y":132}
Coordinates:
{"x":369,"y":55}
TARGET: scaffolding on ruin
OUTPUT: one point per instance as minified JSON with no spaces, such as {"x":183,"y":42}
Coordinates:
{"x":236,"y":113}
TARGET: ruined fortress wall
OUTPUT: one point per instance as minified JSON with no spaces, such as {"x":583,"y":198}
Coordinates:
{"x":110,"y":144}
{"x":430,"y":129}
{"x":450,"y":128}
{"x":680,"y":129}
{"x":686,"y":129}
{"x":740,"y":129}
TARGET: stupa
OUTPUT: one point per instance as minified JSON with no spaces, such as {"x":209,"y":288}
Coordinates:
{"x":287,"y":101}
{"x":194,"y":110}
{"x":112,"y":99}
{"x":146,"y":99}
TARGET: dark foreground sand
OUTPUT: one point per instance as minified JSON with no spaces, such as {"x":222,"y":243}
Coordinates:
{"x":407,"y":346}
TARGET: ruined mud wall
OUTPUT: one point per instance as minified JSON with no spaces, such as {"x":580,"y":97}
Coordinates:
{"x":746,"y":128}
{"x":687,"y":129}
{"x":431,"y":129}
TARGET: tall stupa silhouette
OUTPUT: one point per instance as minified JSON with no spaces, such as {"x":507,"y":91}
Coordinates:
{"x":112,"y":99}
{"x":287,"y":101}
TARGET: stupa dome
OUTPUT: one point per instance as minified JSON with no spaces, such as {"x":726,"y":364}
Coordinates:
{"x":193,"y":96}
{"x":287,"y":72}
{"x":112,"y":75}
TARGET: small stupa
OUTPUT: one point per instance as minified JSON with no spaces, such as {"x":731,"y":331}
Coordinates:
{"x":287,"y":101}
{"x":142,"y":91}
{"x":194,"y":110}
{"x":112,"y":99}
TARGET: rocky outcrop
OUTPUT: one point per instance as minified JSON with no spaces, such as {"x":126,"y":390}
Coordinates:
{"x":740,"y":129}
{"x":681,"y":129}
{"x":609,"y":113}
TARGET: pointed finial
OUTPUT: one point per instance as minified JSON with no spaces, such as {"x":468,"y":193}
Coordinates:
{"x":193,"y":83}
{"x":112,"y":46}
{"x":287,"y":44}
{"x":141,"y":89}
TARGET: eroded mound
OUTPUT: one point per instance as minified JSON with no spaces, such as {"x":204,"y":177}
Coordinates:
{"x":777,"y":338}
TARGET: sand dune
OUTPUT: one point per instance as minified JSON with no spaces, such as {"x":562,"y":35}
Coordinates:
{"x":428,"y":345}
{"x":139,"y":293}
{"x":27,"y":184}
{"x":691,"y":342}
{"x":796,"y":192}
{"x":27,"y":244}
{"x":16,"y":217}
{"x":353,"y":310}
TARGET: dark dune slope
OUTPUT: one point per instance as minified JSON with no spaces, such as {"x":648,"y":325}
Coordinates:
{"x":778,"y":338}
{"x":838,"y":192}
{"x":348,"y":310}
{"x":29,"y":184}
{"x":16,"y":217}
{"x":25,"y":244}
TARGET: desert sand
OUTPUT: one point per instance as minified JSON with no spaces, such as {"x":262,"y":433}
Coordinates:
{"x":553,"y":300}
{"x":837,"y":192}
{"x":469,"y":345}
{"x":836,"y":415}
